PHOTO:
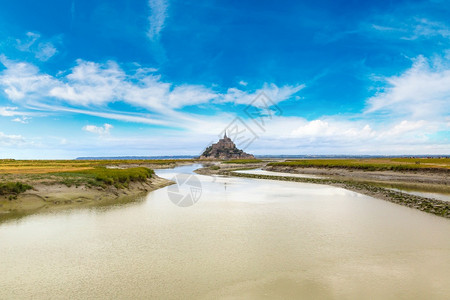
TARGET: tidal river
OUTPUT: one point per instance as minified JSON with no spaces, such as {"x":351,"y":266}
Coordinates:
{"x":243,"y":239}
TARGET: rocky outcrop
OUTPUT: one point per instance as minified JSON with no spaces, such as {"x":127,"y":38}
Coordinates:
{"x":225,"y":149}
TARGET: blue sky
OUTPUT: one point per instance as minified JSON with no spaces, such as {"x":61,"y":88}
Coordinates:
{"x":162,"y":77}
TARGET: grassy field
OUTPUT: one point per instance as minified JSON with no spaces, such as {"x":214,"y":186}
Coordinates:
{"x":17,"y":176}
{"x":8,"y":166}
{"x":373,"y":164}
{"x":101,"y":176}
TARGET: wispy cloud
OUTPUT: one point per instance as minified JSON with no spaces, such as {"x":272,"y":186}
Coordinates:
{"x":158,"y":15}
{"x":8,"y":111}
{"x":423,"y":91}
{"x":412,"y":28}
{"x":11,"y":140}
{"x":23,"y":120}
{"x":42,"y":50}
{"x":410,"y":109}
{"x":428,"y":29}
{"x":94,"y":84}
{"x":21,"y":79}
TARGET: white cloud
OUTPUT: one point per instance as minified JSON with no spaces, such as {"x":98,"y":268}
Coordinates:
{"x":8,"y":111}
{"x":21,"y":80}
{"x":243,"y":83}
{"x":45,"y":51}
{"x":361,"y":132}
{"x":23,"y":120}
{"x":405,"y":127}
{"x":42,"y":50}
{"x":411,"y":29}
{"x":90,"y":83}
{"x":190,"y":95}
{"x":273,"y":92}
{"x":400,"y":119}
{"x":157,"y":17}
{"x":428,"y":29}
{"x":28,"y":42}
{"x":11,"y":140}
{"x":112,"y":115}
{"x":342,"y":131}
{"x":103,"y":130}
{"x":336,"y":135}
{"x":422,"y":92}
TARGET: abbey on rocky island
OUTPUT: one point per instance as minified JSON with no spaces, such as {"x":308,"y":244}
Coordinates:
{"x":225,"y":149}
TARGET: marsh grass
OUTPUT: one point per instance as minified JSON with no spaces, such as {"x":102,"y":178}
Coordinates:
{"x":120,"y":177}
{"x":103,"y":177}
{"x":89,"y":173}
{"x":388,"y":164}
{"x":13,"y":188}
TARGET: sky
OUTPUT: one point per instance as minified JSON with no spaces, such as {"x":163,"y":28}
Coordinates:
{"x":168,"y":77}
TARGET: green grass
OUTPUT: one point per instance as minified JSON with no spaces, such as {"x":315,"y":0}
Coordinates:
{"x":88,"y":173}
{"x":435,"y":160}
{"x":120,"y":176}
{"x":13,"y":188}
{"x":242,"y":161}
{"x":101,"y":176}
{"x":395,"y":164}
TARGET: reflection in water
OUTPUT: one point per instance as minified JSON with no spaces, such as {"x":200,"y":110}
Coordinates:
{"x":244,"y":238}
{"x":271,"y":173}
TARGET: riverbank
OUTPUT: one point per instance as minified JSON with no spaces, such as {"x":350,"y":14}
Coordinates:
{"x":29,"y":187}
{"x":376,"y":184}
{"x":47,"y":198}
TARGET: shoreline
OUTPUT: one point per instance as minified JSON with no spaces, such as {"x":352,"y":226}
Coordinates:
{"x":58,"y":185}
{"x":55,"y":197}
{"x":363,"y":185}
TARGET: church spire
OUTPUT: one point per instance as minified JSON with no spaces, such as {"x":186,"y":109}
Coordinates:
{"x":225,"y":135}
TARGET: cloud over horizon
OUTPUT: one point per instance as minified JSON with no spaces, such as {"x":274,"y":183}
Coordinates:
{"x":161,"y":76}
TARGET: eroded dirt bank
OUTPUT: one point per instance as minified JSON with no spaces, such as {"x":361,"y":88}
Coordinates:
{"x":44,"y":197}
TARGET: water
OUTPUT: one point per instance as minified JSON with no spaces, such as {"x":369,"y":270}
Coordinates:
{"x":271,"y":173}
{"x":244,"y":239}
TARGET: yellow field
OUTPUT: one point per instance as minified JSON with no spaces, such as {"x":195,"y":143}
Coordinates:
{"x":9,"y":166}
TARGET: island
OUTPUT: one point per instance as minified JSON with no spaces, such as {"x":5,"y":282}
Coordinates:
{"x":225,"y":149}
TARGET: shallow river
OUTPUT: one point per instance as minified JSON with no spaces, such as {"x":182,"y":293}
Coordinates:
{"x":243,"y":239}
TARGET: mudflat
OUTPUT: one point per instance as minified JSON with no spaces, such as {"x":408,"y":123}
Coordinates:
{"x":374,"y":177}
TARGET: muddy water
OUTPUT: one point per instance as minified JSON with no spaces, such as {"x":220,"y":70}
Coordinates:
{"x":243,"y":239}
